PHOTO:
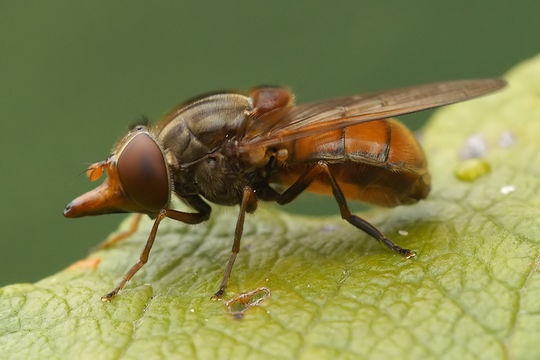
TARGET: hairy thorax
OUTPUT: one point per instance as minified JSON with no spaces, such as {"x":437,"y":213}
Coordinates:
{"x":197,"y":139}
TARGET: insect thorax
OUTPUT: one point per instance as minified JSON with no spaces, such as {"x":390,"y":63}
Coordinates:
{"x":194,"y":138}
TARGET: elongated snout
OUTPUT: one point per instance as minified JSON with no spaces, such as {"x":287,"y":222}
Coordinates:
{"x":102,"y":200}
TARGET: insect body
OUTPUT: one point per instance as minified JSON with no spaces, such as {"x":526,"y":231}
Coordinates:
{"x":235,"y":149}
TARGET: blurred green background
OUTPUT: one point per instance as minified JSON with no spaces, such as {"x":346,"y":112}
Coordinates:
{"x":75,"y":74}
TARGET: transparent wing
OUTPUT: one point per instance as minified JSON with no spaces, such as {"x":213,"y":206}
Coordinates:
{"x":312,"y":118}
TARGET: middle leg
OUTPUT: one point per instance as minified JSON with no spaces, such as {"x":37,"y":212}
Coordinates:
{"x":249,"y":202}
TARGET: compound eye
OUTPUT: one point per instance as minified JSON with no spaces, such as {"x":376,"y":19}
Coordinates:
{"x":143,"y":173}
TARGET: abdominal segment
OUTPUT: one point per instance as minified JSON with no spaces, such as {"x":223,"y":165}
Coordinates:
{"x":377,"y":162}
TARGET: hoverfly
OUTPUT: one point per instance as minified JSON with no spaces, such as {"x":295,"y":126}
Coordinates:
{"x":236,"y":149}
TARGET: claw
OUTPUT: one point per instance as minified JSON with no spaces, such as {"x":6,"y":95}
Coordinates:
{"x":108,"y":297}
{"x":410,"y":254}
{"x":218,"y":295}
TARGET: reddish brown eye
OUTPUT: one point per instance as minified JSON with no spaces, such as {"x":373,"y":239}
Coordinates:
{"x":143,"y":174}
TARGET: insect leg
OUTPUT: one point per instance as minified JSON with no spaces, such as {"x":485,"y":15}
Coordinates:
{"x":322,"y":167}
{"x":123,"y":235}
{"x":189,"y":218}
{"x":249,"y":202}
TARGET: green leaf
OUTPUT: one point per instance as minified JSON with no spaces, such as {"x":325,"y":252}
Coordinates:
{"x":472,"y":292}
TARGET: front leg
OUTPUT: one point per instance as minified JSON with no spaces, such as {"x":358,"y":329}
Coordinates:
{"x":122,"y":236}
{"x":188,"y":218}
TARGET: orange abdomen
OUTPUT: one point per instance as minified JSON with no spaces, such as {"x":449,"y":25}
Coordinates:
{"x":378,"y":162}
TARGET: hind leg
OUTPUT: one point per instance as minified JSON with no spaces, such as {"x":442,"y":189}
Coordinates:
{"x":311,"y":174}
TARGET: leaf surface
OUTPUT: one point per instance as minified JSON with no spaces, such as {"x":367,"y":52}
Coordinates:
{"x":473,"y":291}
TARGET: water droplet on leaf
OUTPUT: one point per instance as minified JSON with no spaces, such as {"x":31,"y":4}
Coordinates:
{"x":472,"y":169}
